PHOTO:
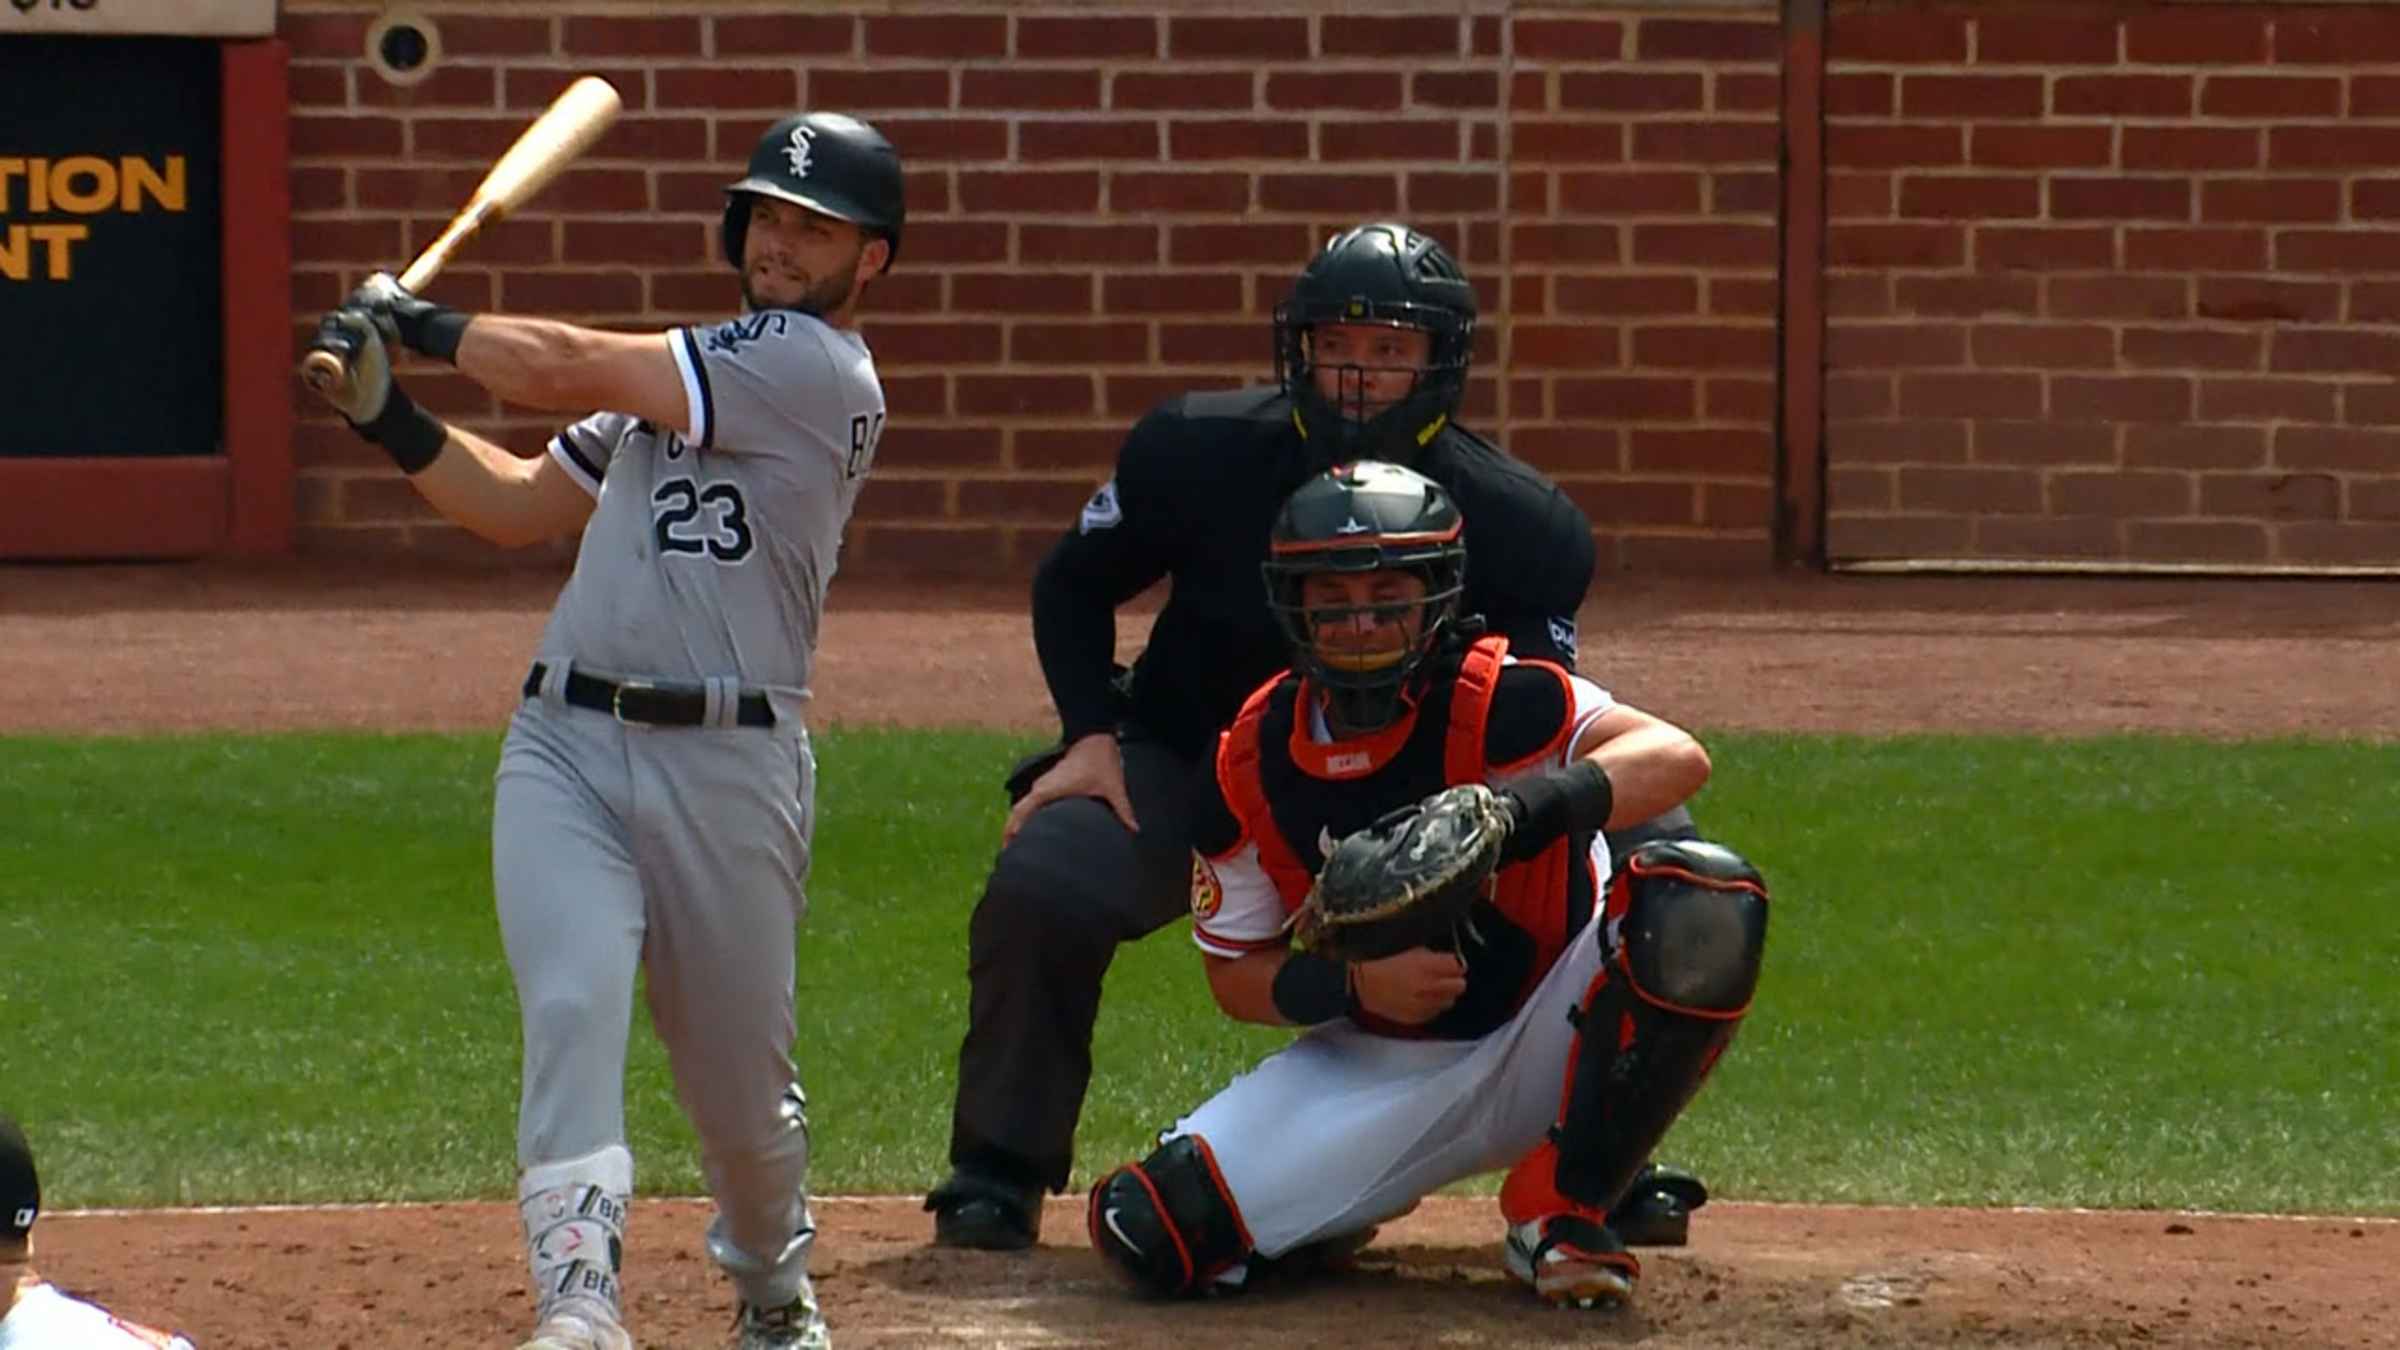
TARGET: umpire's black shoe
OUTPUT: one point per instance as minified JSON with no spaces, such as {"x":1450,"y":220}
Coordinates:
{"x":1656,"y":1210}
{"x":974,"y":1210}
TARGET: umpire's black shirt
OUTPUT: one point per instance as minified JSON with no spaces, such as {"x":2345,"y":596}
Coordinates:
{"x":1198,"y":483}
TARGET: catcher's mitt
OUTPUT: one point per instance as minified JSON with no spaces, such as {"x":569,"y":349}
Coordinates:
{"x":1408,"y":879}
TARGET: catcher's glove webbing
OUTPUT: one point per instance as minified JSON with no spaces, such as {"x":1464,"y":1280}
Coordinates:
{"x":1408,"y":879}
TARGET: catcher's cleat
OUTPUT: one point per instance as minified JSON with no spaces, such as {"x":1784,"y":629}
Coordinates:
{"x":577,"y":1324}
{"x":985,"y":1213}
{"x":796,"y":1325}
{"x":1656,"y":1210}
{"x":1571,"y":1261}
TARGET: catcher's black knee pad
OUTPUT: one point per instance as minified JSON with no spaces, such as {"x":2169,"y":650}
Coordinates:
{"x":1689,"y":923}
{"x":1166,"y":1223}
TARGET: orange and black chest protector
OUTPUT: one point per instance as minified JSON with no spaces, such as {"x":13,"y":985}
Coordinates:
{"x":1295,"y":795}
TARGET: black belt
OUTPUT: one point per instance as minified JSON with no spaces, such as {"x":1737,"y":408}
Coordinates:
{"x":648,"y":702}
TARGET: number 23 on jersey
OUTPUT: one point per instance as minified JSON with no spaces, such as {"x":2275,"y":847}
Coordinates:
{"x":689,"y":519}
{"x":714,"y":521}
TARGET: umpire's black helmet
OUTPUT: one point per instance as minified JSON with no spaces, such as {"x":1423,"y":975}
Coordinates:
{"x":1367,"y":516}
{"x":1381,"y":273}
{"x":829,"y":163}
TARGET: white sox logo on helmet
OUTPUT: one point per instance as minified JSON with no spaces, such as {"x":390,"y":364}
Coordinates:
{"x":796,"y":154}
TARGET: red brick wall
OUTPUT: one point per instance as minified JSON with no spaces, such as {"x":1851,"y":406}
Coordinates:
{"x":1642,"y":293}
{"x":1104,"y":208}
{"x":2114,"y":284}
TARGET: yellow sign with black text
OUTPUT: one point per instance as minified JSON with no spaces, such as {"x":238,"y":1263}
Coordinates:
{"x":111,"y":245}
{"x":76,"y":185}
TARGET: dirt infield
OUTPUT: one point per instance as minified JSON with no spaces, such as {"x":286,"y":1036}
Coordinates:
{"x":154,"y":648}
{"x":120,"y":649}
{"x":1755,"y":1277}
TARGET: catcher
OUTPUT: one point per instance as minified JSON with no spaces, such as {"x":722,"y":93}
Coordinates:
{"x":1424,"y":813}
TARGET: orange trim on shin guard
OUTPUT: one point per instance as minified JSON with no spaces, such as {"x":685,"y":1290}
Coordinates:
{"x":1531,"y":1191}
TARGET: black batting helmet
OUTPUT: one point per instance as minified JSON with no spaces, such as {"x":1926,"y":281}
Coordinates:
{"x":829,"y":163}
{"x":1367,"y":516}
{"x":1382,"y":273}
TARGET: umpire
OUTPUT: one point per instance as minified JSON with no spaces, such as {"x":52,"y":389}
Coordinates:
{"x":1371,"y":354}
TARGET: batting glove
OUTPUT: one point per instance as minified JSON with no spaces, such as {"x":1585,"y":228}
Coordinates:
{"x":420,"y":325}
{"x":374,"y":404}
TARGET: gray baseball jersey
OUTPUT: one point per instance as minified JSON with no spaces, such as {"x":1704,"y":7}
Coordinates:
{"x":680,"y":852}
{"x":712,"y":545}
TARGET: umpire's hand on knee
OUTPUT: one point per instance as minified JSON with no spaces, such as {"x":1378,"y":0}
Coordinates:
{"x":1092,"y":767}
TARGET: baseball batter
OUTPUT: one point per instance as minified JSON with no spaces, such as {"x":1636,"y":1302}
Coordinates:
{"x":654,"y":801}
{"x":34,"y":1313}
{"x":1428,"y":1066}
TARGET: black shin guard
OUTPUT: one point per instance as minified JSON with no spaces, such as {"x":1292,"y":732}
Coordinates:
{"x":1166,"y":1223}
{"x":1689,"y":921}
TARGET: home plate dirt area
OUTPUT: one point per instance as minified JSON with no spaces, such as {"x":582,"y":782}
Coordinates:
{"x":128,"y":649}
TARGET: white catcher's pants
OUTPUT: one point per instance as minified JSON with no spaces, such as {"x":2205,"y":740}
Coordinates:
{"x":1342,"y":1129}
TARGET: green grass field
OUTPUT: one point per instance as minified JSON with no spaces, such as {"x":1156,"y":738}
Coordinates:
{"x":2124,"y":972}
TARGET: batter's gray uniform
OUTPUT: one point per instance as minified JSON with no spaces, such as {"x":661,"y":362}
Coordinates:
{"x":680,"y":849}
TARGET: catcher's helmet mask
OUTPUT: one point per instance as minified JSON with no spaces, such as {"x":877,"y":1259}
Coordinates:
{"x":1364,"y":518}
{"x":1381,"y":273}
{"x":831,"y":164}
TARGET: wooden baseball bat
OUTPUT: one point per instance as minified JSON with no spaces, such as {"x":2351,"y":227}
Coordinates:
{"x":565,"y":129}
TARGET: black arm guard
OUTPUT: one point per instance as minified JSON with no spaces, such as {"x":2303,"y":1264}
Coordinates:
{"x":1574,"y":800}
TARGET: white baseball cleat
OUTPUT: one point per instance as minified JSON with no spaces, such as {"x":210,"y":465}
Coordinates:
{"x":1571,"y":1261}
{"x":579,"y":1326}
